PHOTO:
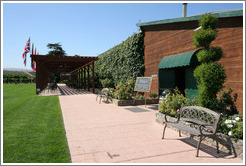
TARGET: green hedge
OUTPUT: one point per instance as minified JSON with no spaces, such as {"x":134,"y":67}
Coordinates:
{"x":121,"y":62}
{"x":17,"y":78}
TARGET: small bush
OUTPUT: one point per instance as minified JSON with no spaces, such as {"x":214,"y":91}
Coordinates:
{"x":153,"y":94}
{"x":64,"y":81}
{"x":226,"y":103}
{"x":174,"y":101}
{"x":232,"y":126}
{"x":17,"y":78}
{"x":124,"y":91}
{"x":106,"y":83}
{"x":140,"y":97}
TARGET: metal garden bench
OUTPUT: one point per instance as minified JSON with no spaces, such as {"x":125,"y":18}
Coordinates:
{"x":203,"y":123}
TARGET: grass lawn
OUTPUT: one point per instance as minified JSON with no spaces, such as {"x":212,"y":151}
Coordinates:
{"x":33,"y":130}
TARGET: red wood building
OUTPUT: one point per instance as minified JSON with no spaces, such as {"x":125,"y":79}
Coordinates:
{"x":169,"y":37}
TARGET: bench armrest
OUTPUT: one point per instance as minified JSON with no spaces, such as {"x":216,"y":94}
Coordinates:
{"x":203,"y":125}
{"x":165,"y":117}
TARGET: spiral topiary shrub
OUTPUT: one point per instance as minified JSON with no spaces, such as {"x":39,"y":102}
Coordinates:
{"x":210,"y":75}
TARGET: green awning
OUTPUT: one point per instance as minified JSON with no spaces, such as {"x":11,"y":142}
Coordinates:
{"x":183,"y":59}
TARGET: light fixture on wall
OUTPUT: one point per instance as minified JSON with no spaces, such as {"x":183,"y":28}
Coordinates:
{"x":197,"y":28}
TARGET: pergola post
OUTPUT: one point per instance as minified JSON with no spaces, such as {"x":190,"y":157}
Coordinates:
{"x":93,"y":80}
{"x":76,"y":79}
{"x":79,"y":78}
{"x":88,"y":77}
{"x":73,"y":80}
{"x":74,"y":76}
{"x":84,"y":78}
{"x":37,"y":76}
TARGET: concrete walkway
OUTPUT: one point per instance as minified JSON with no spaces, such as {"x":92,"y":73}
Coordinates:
{"x":105,"y":133}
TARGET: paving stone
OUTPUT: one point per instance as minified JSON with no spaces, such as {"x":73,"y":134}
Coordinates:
{"x":106,"y":133}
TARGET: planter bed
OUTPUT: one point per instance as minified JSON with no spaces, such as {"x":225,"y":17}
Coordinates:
{"x":137,"y":102}
{"x":223,"y":143}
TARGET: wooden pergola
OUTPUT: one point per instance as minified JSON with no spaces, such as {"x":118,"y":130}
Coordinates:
{"x":75,"y":65}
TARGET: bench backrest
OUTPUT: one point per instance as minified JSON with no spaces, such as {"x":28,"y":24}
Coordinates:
{"x":105,"y":91}
{"x":200,"y":115}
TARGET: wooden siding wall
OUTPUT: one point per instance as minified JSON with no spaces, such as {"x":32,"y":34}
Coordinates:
{"x":174,"y":38}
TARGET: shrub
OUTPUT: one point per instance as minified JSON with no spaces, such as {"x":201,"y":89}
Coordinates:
{"x":210,"y":76}
{"x":232,"y":126}
{"x":174,"y":101}
{"x":17,"y":78}
{"x":226,"y":103}
{"x":54,"y":77}
{"x":140,"y":96}
{"x":106,"y":83}
{"x":124,"y":90}
{"x":64,"y":81}
{"x":131,"y":84}
{"x":122,"y":62}
{"x":153,"y":94}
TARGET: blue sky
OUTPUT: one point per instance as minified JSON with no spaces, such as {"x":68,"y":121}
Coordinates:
{"x":85,"y":29}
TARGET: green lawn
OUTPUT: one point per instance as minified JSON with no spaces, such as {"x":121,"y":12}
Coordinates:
{"x":33,"y":130}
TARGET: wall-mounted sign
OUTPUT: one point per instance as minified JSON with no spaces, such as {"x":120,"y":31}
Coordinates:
{"x":154,"y":75}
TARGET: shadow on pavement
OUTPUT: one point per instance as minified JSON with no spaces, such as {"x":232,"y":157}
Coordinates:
{"x":205,"y":148}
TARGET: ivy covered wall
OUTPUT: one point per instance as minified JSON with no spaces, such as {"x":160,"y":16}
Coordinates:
{"x":122,"y":62}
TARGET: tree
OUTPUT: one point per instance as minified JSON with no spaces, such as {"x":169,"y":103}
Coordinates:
{"x":210,"y":75}
{"x":54,"y":77}
{"x":56,"y":49}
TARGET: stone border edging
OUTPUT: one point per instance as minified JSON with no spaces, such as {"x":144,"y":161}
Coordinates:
{"x":137,"y":102}
{"x":237,"y":145}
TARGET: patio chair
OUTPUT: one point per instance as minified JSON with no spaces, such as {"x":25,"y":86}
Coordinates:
{"x":104,"y":94}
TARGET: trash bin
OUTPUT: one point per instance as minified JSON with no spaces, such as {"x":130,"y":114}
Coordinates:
{"x":164,"y":94}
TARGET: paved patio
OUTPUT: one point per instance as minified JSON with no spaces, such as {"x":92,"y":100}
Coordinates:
{"x":105,"y":133}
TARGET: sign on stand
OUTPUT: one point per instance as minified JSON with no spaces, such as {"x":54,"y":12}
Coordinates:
{"x":143,"y":84}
